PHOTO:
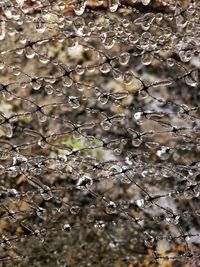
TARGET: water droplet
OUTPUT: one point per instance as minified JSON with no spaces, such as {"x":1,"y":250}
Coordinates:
{"x":149,"y":241}
{"x":19,"y":51}
{"x":7,"y":129}
{"x":40,"y":27}
{"x":67,"y":81}
{"x":170,"y":62}
{"x":5,"y":243}
{"x":46,"y":192}
{"x":2,"y":168}
{"x":185,"y":56}
{"x":109,"y":43}
{"x":106,"y":125}
{"x":115,"y":169}
{"x":124,"y":58}
{"x":36,"y":85}
{"x":67,"y":227}
{"x":181,"y":22}
{"x":103,"y":99}
{"x":192,"y":78}
{"x":133,"y":38}
{"x":41,"y":117}
{"x":99,"y":224}
{"x":80,"y":69}
{"x":74,"y":102}
{"x":16,"y":71}
{"x":163,"y":153}
{"x":41,"y":213}
{"x":136,"y":142}
{"x":12,"y":171}
{"x":20,"y":2}
{"x":49,"y":89}
{"x":84,"y":182}
{"x":189,"y":194}
{"x":111,"y":208}
{"x":75,"y":210}
{"x":2,"y":65}
{"x":139,"y":117}
{"x":72,"y":43}
{"x":117,"y":74}
{"x":146,"y":58}
{"x":143,"y":93}
{"x":140,"y":203}
{"x":79,"y":24}
{"x":8,"y":96}
{"x":30,"y":53}
{"x":43,"y":59}
{"x":114,"y":5}
{"x":79,"y":8}
{"x":2,"y":30}
{"x":173,"y":219}
{"x":146,"y":2}
{"x":105,"y":68}
{"x":128,"y":77}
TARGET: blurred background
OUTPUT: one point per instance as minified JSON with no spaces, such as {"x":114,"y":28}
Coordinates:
{"x":99,"y":133}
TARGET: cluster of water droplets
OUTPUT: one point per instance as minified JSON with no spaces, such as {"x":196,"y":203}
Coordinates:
{"x":99,"y":132}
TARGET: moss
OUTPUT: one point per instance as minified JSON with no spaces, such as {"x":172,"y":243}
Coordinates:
{"x":82,"y":144}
